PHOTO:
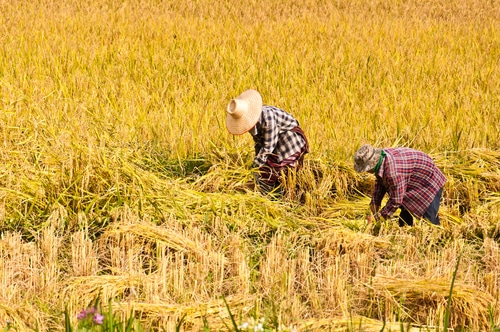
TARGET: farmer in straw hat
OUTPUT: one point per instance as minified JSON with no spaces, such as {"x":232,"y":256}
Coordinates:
{"x":280,"y":143}
{"x":409,"y":176}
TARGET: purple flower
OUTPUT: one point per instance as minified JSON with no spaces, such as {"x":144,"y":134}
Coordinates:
{"x":93,"y":312}
{"x":98,"y":318}
{"x":82,"y":314}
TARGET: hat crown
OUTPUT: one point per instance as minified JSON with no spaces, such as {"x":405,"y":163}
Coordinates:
{"x":364,"y":154}
{"x":237,"y":108}
{"x":366,"y":158}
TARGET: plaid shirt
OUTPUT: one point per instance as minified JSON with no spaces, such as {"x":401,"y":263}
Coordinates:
{"x":272,"y":135}
{"x":411,"y":179}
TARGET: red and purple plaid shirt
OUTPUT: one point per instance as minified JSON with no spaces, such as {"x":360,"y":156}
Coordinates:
{"x":411,"y":179}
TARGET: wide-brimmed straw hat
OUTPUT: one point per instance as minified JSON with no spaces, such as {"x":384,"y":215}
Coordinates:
{"x":366,"y":158}
{"x":243,"y":112}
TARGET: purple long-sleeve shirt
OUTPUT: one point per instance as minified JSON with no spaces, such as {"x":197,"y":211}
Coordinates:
{"x":411,"y":179}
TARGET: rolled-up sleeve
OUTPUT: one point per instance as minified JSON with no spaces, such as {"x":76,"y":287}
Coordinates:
{"x":378,"y":193}
{"x":396,"y":189}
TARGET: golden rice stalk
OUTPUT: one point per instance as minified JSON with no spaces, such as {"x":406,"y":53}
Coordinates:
{"x":352,"y":239}
{"x":358,"y":208}
{"x":14,"y":316}
{"x":215,"y":311}
{"x":479,"y":164}
{"x":86,"y":289}
{"x":358,"y":323}
{"x":220,"y":178}
{"x":153,"y":233}
{"x":469,"y":306}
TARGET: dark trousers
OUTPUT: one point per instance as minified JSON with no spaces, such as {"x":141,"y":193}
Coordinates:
{"x":431,"y":214}
{"x":272,"y":172}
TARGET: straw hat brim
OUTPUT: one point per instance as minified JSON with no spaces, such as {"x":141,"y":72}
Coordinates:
{"x":241,"y":125}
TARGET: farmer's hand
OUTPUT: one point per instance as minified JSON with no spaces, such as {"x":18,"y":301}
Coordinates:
{"x":374,"y":208}
{"x":374,"y":217}
{"x":255,"y":171}
{"x":256,"y":177}
{"x":378,"y":217}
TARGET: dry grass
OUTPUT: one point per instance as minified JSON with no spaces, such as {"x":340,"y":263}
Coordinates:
{"x":118,"y":177}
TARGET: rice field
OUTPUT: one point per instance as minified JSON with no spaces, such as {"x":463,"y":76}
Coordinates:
{"x":119,"y":181}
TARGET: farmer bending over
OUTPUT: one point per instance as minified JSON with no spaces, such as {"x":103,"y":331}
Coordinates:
{"x":280,"y":143}
{"x":409,"y":176}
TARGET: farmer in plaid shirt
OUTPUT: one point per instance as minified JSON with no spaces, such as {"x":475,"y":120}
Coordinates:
{"x":409,"y":176}
{"x":280,"y":143}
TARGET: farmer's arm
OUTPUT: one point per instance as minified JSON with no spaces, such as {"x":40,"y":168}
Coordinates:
{"x":377,"y":196}
{"x":257,"y":145}
{"x":396,"y":184}
{"x":270,"y":134}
